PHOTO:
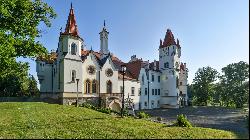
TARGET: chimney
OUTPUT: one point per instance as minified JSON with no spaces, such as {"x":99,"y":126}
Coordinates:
{"x":154,"y":64}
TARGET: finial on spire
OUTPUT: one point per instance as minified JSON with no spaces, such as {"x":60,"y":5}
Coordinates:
{"x":104,"y":23}
{"x":71,"y":7}
{"x":91,"y":48}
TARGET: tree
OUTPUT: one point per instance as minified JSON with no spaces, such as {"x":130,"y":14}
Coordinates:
{"x":19,"y":20}
{"x":234,"y":84}
{"x":33,"y":90}
{"x":203,"y":85}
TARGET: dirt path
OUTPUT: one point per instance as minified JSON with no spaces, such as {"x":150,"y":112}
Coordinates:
{"x":210,"y":117}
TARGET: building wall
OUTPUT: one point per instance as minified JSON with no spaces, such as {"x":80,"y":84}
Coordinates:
{"x":104,"y":79}
{"x":128,"y":91}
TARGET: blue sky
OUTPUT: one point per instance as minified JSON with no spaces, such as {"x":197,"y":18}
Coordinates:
{"x":211,"y":32}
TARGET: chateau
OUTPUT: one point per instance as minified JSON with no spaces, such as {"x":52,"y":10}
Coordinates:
{"x":74,"y":72}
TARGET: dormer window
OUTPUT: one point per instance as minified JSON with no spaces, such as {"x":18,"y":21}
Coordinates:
{"x":73,"y":49}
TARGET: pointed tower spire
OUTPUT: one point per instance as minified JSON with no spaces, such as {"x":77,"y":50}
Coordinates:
{"x":169,"y":39}
{"x":71,"y":27}
{"x":178,"y":43}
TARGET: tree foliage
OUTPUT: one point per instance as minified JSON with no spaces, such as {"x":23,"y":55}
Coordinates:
{"x":234,"y":83}
{"x":203,"y":87}
{"x":232,"y":89}
{"x":19,"y":21}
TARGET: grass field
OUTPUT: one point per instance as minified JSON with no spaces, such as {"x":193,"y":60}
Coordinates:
{"x":42,"y":120}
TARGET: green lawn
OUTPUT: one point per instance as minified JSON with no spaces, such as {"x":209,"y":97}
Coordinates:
{"x":42,"y":120}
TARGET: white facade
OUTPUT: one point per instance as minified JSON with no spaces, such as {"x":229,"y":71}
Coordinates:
{"x":158,"y":84}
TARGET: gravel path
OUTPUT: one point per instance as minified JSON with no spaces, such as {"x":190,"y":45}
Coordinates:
{"x":210,"y":117}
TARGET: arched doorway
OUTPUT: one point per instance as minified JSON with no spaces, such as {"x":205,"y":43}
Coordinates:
{"x":115,"y":105}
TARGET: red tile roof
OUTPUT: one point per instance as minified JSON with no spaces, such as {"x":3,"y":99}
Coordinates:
{"x":169,"y":40}
{"x":182,"y":67}
{"x":134,"y":68}
{"x":71,"y":27}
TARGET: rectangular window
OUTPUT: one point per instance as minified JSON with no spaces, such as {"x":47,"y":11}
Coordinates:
{"x":145,"y":104}
{"x":73,"y":75}
{"x":152,"y":91}
{"x":155,"y":91}
{"x":153,"y":78}
{"x":146,"y":91}
{"x":159,"y":92}
{"x":180,"y":83}
{"x":143,"y":79}
{"x":139,"y":92}
{"x":159,"y":79}
{"x":165,"y":65}
{"x":132,"y":91}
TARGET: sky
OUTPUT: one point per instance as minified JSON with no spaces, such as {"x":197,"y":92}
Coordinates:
{"x":212,"y":33}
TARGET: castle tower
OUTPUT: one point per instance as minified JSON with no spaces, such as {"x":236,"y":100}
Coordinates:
{"x":69,"y":60}
{"x":104,"y":41}
{"x":70,"y":42}
{"x":183,"y":84}
{"x":169,"y":61}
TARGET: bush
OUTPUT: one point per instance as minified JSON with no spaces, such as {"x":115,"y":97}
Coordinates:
{"x":182,"y":121}
{"x":159,"y":118}
{"x":142,"y":115}
{"x":103,"y":110}
{"x":90,"y":106}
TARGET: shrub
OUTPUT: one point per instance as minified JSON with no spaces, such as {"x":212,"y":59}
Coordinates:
{"x":159,"y":118}
{"x":104,"y":110}
{"x":87,"y":105}
{"x":142,"y":115}
{"x":182,"y":121}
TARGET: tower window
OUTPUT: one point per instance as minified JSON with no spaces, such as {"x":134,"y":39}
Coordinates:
{"x":153,"y":78}
{"x":155,"y":91}
{"x":146,"y":91}
{"x":180,"y":83}
{"x":73,"y":76}
{"x":159,"y":78}
{"x":159,"y":92}
{"x":152,"y":91}
{"x":73,"y":49}
{"x":166,"y":65}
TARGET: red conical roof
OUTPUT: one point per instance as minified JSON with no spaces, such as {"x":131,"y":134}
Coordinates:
{"x":168,"y":40}
{"x":71,"y":27}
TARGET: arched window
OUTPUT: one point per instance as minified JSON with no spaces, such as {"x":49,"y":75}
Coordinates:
{"x":87,"y":86}
{"x":94,"y":86}
{"x":73,"y":49}
{"x":73,"y":75}
{"x":109,"y":87}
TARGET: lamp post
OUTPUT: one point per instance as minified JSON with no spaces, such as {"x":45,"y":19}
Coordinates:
{"x":99,"y":88}
{"x":123,"y":73}
{"x":77,"y":80}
